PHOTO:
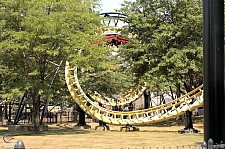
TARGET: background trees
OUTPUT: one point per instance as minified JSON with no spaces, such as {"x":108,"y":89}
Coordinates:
{"x":167,"y":48}
{"x":36,"y":39}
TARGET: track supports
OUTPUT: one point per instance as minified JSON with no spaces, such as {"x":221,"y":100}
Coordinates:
{"x":102,"y":126}
{"x":81,"y":122}
{"x":188,"y":125}
{"x":129,"y":127}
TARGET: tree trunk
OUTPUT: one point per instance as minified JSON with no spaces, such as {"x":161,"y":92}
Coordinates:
{"x":178,"y":90}
{"x":35,"y":114}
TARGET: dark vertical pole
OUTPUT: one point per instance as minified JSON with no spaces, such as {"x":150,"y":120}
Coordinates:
{"x":44,"y":110}
{"x":81,"y":121}
{"x":146,"y":97}
{"x":68,"y":118}
{"x":10,"y":112}
{"x":50,"y":117}
{"x":1,"y":114}
{"x":6,"y":109}
{"x":82,"y":118}
{"x":213,"y":47}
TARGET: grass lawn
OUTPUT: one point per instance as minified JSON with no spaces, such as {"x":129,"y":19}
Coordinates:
{"x":63,"y":136}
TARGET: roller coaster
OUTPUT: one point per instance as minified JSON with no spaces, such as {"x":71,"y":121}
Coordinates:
{"x":89,"y":103}
{"x":155,"y":114}
{"x":121,"y":101}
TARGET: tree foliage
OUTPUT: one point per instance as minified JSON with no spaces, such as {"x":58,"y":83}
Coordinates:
{"x":36,"y":39}
{"x":166,"y":48}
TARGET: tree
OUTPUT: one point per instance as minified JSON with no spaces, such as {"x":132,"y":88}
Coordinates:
{"x":167,"y":48}
{"x":37,"y":36}
{"x":114,"y":80}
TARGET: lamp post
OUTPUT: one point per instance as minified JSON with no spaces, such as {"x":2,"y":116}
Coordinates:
{"x":213,"y":66}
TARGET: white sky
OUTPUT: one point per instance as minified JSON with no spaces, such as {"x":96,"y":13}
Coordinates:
{"x":110,"y":5}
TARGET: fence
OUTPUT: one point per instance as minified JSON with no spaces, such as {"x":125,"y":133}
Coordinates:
{"x":67,"y":117}
{"x":209,"y":145}
{"x":50,"y":118}
{"x":169,"y":147}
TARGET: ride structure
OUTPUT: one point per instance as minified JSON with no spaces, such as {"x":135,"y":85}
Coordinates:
{"x":112,"y":35}
{"x":121,"y":101}
{"x":91,"y":103}
{"x":140,"y":117}
{"x":112,"y":18}
{"x":113,"y":39}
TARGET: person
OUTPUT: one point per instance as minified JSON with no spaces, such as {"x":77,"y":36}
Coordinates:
{"x":196,"y":110}
{"x":126,"y":108}
{"x":101,"y":123}
{"x":120,"y":108}
{"x":130,"y":107}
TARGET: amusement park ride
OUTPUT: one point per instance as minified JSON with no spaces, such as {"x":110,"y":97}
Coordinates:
{"x":113,"y":38}
{"x":127,"y":119}
{"x":214,"y":111}
{"x":140,"y":117}
{"x":94,"y":104}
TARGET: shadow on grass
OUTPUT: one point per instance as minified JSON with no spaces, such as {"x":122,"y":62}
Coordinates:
{"x":168,"y":123}
{"x":174,"y":122}
{"x":65,"y":131}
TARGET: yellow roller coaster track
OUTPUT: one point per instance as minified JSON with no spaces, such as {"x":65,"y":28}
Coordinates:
{"x":129,"y":98}
{"x":140,"y":117}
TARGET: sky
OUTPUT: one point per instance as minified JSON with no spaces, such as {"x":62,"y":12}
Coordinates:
{"x":110,"y":5}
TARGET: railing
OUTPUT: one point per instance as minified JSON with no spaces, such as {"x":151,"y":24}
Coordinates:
{"x":209,"y":145}
{"x":168,"y":147}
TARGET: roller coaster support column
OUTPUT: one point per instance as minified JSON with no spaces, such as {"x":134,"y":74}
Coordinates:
{"x":20,"y":109}
{"x":102,"y":125}
{"x":146,"y":97}
{"x":81,"y":121}
{"x":213,"y":55}
{"x":189,"y":124}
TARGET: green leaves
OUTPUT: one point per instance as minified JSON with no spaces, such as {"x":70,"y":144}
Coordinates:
{"x":168,"y":43}
{"x":37,"y":35}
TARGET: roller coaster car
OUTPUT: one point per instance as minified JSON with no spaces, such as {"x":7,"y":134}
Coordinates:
{"x":114,"y":39}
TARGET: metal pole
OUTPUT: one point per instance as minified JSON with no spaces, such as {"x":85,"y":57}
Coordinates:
{"x":49,"y":89}
{"x":213,"y":55}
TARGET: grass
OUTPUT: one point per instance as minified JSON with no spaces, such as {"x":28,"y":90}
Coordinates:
{"x":65,"y":137}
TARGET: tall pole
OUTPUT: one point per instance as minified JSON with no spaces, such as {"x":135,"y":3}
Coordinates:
{"x":213,"y":67}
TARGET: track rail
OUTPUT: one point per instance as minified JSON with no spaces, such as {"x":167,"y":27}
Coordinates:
{"x":129,"y":98}
{"x":140,"y":117}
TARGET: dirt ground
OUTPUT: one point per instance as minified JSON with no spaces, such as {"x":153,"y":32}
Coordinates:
{"x":63,"y":136}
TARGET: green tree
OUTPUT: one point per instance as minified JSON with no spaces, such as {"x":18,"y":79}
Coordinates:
{"x":167,"y":48}
{"x":109,"y":80}
{"x":37,"y":36}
